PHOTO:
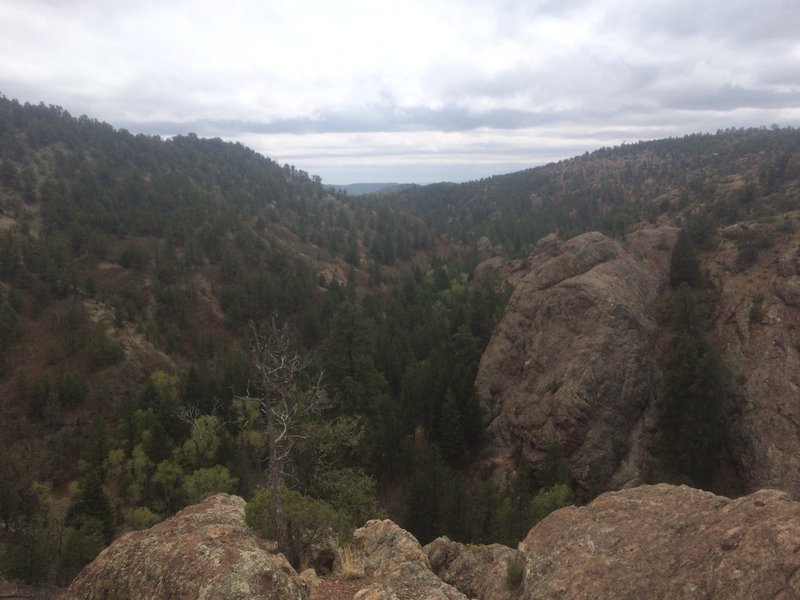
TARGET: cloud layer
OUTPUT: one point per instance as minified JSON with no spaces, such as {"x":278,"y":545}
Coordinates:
{"x":422,"y":90}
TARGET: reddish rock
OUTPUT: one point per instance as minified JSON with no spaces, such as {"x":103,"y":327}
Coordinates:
{"x":573,"y":362}
{"x":478,"y":571}
{"x":395,"y":560}
{"x":670,"y":543}
{"x":762,"y":353}
{"x":206,"y":551}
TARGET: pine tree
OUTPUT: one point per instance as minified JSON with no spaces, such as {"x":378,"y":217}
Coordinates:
{"x":683,"y":266}
{"x":451,"y":438}
{"x":91,"y":501}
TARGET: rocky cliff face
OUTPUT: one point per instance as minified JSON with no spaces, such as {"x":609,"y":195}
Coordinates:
{"x":667,"y":542}
{"x":205,"y":551}
{"x":758,"y":326}
{"x":573,"y":363}
{"x":575,"y":360}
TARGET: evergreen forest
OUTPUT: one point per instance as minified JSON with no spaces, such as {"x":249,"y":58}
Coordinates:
{"x":139,"y":275}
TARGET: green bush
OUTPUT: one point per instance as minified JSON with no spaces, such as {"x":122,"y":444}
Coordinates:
{"x":548,"y":500}
{"x":746,"y":257}
{"x":309,"y":521}
{"x":203,"y":483}
{"x":140,"y":517}
{"x":90,"y":508}
{"x":350,"y":491}
{"x":515,"y":572}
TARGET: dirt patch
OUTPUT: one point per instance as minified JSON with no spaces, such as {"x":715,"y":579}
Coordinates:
{"x":334,"y":588}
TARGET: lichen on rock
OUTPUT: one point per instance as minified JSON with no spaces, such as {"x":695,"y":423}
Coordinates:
{"x":205,"y":551}
{"x":395,"y":559}
{"x":667,"y":542}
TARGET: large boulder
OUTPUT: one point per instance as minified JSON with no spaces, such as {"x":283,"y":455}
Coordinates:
{"x":479,"y":571}
{"x":206,"y":551}
{"x":573,"y":362}
{"x":667,"y":542}
{"x":394,"y":559}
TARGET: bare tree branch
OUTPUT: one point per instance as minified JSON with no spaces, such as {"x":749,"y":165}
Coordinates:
{"x":284,"y":404}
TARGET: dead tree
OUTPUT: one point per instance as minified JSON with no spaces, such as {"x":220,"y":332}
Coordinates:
{"x":284,"y":403}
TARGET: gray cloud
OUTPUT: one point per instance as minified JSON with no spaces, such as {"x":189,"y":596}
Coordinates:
{"x":742,"y":21}
{"x":373,"y":119}
{"x":386,"y":119}
{"x":729,"y":98}
{"x":461,"y":85}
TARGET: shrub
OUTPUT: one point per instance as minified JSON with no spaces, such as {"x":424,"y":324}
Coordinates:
{"x":140,"y":517}
{"x":203,"y":483}
{"x":310,"y":521}
{"x":548,"y":500}
{"x":350,"y":491}
{"x":515,"y":572}
{"x":90,"y":509}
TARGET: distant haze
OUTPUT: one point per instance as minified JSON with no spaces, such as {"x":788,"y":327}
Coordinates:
{"x":416,"y":91}
{"x":357,"y":189}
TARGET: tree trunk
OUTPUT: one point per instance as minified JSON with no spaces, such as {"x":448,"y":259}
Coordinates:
{"x":276,"y":487}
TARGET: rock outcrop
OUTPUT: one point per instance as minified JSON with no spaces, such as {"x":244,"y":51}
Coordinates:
{"x":573,"y":362}
{"x":480,"y":572}
{"x":395,"y":560}
{"x":658,"y":541}
{"x":206,"y":551}
{"x":667,"y":542}
{"x":758,"y":327}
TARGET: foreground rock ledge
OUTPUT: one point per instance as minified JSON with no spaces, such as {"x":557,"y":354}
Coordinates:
{"x":206,"y":551}
{"x":657,"y":541}
{"x":395,"y":561}
{"x":667,"y":542}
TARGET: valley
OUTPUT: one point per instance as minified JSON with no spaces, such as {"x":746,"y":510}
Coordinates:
{"x":487,"y":351}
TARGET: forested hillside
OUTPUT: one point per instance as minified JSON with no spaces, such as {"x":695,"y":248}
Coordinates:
{"x":136,"y":274}
{"x":133,"y":274}
{"x":719,"y":179}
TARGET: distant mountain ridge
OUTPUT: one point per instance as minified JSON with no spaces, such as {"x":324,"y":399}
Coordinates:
{"x":729,"y":176}
{"x":360,"y":189}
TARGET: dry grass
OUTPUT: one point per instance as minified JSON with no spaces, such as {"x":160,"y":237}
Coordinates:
{"x":350,"y":563}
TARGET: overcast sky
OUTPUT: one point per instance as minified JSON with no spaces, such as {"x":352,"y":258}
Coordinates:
{"x":411,"y":90}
